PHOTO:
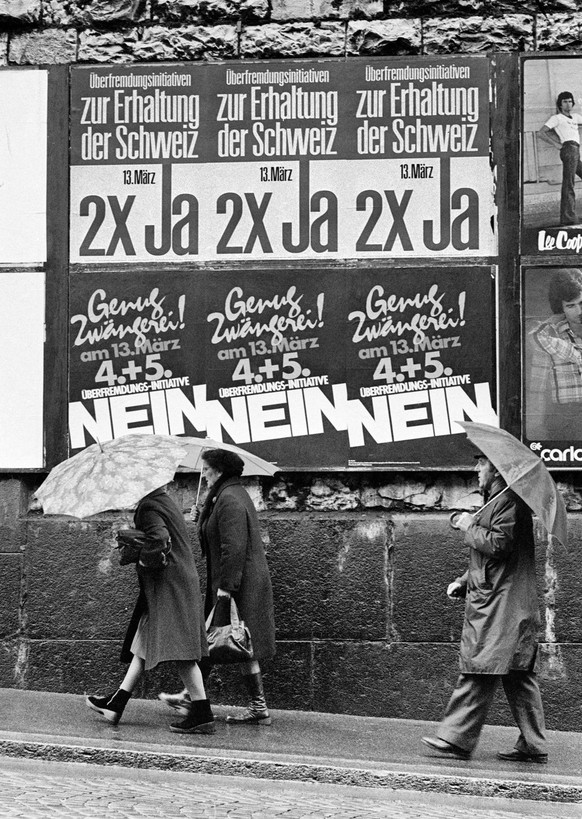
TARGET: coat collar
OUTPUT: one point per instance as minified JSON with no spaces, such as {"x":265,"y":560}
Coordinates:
{"x":228,"y":482}
{"x":497,"y":486}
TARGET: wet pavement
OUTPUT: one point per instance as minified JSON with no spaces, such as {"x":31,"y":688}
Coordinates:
{"x":300,"y":747}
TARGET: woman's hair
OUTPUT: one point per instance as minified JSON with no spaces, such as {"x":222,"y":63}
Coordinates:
{"x":565,"y":285}
{"x":563,"y":95}
{"x":229,"y":463}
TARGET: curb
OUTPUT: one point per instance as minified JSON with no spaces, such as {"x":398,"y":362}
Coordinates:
{"x":278,"y":770}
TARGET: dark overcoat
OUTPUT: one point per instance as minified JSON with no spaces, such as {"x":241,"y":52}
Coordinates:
{"x":171,"y":595}
{"x":236,"y":562}
{"x":500,"y":631}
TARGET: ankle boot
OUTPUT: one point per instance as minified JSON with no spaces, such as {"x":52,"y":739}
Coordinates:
{"x":110,"y":707}
{"x":179,"y":702}
{"x":200,"y":720}
{"x":256,"y":713}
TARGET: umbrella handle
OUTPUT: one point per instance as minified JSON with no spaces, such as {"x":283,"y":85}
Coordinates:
{"x":452,"y":518}
{"x":198,"y":490}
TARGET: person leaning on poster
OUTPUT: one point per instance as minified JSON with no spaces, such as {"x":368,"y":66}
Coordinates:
{"x":554,"y":395}
{"x":561,"y":131}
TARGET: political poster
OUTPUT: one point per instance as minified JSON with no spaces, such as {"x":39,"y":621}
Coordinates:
{"x":136,"y":348}
{"x":419,"y":357}
{"x":552,"y":179}
{"x":306,"y":368}
{"x":326,"y":159}
{"x":552,"y":356}
{"x":275,"y":365}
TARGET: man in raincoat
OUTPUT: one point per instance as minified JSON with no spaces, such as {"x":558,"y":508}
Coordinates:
{"x":500,"y":630}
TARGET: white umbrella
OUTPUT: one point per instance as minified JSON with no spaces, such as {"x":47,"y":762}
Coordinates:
{"x":113,"y":475}
{"x":253,"y":465}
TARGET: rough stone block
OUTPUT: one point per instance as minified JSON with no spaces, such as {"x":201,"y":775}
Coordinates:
{"x":458,"y":8}
{"x":282,"y":497}
{"x":107,"y":11}
{"x":75,"y":586}
{"x":52,"y":47}
{"x":398,"y":680}
{"x":559,"y":32}
{"x":186,"y":43}
{"x":383,"y":37}
{"x":293,"y":40}
{"x":21,"y":11}
{"x":11,"y":572}
{"x":478,"y":35}
{"x":324,"y":9}
{"x":332,"y":495}
{"x":251,"y":10}
{"x":562,"y":578}
{"x":427,"y":555}
{"x":203,"y":11}
{"x":12,"y":528}
{"x":571,"y":494}
{"x":329,"y":577}
{"x":3,"y":49}
{"x":74,"y":667}
{"x":379,"y":679}
{"x":561,"y":686}
{"x":9,"y":666}
{"x":109,"y":47}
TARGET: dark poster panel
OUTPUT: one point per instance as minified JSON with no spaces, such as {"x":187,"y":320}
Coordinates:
{"x":275,"y":365}
{"x":419,"y":357}
{"x":551,"y":184}
{"x":136,"y":355}
{"x":310,"y":159}
{"x":552,"y":352}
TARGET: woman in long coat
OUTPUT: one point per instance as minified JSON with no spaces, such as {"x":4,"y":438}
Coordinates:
{"x":167,"y":622}
{"x":237,"y":566}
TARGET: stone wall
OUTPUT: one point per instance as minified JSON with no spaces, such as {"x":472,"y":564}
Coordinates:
{"x":360,"y":562}
{"x":360,"y":565}
{"x":125,"y":31}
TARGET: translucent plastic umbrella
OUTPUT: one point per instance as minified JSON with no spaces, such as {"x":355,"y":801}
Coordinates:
{"x":112,"y":475}
{"x":253,"y":465}
{"x":525,"y":473}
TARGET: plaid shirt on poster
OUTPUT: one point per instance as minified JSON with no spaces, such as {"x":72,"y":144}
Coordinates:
{"x":556,"y":361}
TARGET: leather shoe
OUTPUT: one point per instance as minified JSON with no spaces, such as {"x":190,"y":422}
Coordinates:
{"x":446,"y":748}
{"x":522,"y":756}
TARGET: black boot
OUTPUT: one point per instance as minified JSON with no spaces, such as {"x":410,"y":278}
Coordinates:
{"x":200,"y":720}
{"x":256,"y":713}
{"x":110,"y":707}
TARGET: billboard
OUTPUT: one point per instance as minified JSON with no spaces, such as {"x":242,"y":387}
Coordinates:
{"x":552,"y":355}
{"x":326,"y":159}
{"x":551,"y":168}
{"x":307,"y":368}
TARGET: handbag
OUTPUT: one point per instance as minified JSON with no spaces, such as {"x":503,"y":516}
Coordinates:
{"x":230,"y":643}
{"x":130,"y":543}
{"x":136,"y":547}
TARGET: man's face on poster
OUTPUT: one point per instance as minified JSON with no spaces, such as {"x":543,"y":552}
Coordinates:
{"x":573,"y":311}
{"x":566,"y":105}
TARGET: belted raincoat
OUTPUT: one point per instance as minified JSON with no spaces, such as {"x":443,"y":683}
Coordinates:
{"x":500,"y":631}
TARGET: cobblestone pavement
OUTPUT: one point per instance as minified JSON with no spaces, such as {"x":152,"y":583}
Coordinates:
{"x":36,"y":790}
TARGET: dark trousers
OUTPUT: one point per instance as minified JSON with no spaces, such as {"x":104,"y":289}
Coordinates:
{"x":571,"y":167}
{"x":470,"y":702}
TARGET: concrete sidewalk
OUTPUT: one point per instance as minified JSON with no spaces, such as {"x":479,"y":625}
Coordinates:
{"x":300,"y":745}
